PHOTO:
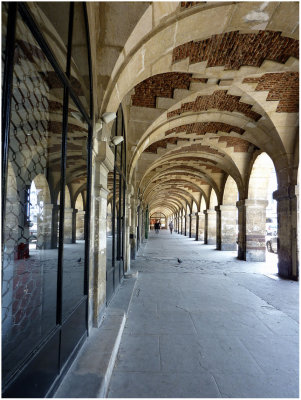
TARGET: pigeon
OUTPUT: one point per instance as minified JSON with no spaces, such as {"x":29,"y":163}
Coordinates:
{"x":179,"y":261}
{"x":79,"y":260}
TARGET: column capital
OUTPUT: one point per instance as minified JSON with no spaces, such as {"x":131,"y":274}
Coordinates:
{"x":227,"y":207}
{"x":252,"y":203}
{"x":287,"y":192}
{"x":209,"y":211}
{"x":103,"y":192}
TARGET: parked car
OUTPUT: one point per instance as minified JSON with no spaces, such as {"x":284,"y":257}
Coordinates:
{"x":272,"y":244}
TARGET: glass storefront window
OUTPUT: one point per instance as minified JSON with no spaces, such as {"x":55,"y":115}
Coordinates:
{"x":30,"y":254}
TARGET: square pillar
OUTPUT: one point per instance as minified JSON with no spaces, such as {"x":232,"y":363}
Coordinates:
{"x":287,"y":213}
{"x":210,"y":231}
{"x":68,"y":225}
{"x":201,"y":232}
{"x":44,"y":227}
{"x":193,"y":225}
{"x":228,"y":227}
{"x":103,"y":163}
{"x":241,"y":237}
{"x":80,"y":225}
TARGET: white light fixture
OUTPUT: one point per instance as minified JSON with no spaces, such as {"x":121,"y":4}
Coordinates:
{"x":108,"y":117}
{"x":116,"y":140}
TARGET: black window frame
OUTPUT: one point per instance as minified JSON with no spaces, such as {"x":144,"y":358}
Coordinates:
{"x":16,"y":11}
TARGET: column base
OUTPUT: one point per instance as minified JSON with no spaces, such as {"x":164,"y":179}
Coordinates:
{"x":256,"y":255}
{"x":228,"y":247}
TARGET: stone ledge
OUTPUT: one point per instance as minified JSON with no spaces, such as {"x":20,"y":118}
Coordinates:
{"x":90,"y":373}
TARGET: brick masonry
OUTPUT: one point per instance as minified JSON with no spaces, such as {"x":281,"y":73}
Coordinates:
{"x":162,"y":144}
{"x":162,"y":85}
{"x":219,"y":100}
{"x":197,"y":148}
{"x":193,"y":170}
{"x":189,"y":4}
{"x":239,"y":145}
{"x":282,"y":87}
{"x":233,"y":49}
{"x":201,"y":128}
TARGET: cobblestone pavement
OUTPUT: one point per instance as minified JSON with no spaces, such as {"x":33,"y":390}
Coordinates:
{"x":211,"y":326}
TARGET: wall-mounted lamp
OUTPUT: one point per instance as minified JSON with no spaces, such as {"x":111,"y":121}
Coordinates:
{"x":116,"y":140}
{"x":106,"y":118}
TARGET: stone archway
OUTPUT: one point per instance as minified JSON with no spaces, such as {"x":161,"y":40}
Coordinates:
{"x":259,"y":196}
{"x":228,"y":216}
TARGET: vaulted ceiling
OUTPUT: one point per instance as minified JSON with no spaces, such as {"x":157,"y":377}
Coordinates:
{"x":202,"y":106}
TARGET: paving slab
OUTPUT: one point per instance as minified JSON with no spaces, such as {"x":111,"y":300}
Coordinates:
{"x":210,"y":326}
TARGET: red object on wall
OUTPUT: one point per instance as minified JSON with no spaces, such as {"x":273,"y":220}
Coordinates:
{"x":23,"y":251}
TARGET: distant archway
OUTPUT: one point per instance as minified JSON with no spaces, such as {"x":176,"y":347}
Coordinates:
{"x":40,"y":214}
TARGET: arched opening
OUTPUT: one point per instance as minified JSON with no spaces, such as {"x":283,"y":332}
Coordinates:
{"x":160,"y":218}
{"x":202,"y":219}
{"x":261,"y":214}
{"x":193,"y":220}
{"x":229,"y":216}
{"x":40,"y":214}
{"x":80,"y":218}
{"x":211,"y":219}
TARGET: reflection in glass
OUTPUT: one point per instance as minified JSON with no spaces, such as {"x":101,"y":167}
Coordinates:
{"x":79,"y":57}
{"x":30,"y":252}
{"x":52,"y":19}
{"x":75,"y":192}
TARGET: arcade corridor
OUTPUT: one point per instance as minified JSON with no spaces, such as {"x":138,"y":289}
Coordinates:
{"x":121,"y":116}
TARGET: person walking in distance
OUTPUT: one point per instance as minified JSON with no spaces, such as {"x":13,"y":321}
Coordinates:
{"x":171,"y":227}
{"x":157,"y":226}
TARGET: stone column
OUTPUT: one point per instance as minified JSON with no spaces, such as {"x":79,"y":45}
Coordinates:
{"x":104,"y":163}
{"x":128,"y":224}
{"x":287,"y":231}
{"x":228,"y":229}
{"x":192,"y":232}
{"x":147,"y":224}
{"x":68,"y":225}
{"x":205,"y":227}
{"x":74,"y":225}
{"x":196,"y":226}
{"x":201,"y":233}
{"x":80,"y":225}
{"x":185,"y":224}
{"x":241,"y":238}
{"x":55,"y":226}
{"x":44,"y":228}
{"x":211,"y":226}
{"x":218,"y":228}
{"x":181,"y":231}
{"x":133,"y":228}
{"x":255,"y":229}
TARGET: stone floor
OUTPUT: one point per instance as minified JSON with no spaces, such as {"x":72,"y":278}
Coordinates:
{"x":211,"y":326}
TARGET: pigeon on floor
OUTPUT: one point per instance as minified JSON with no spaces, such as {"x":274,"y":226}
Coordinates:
{"x":79,"y":260}
{"x":179,"y":261}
